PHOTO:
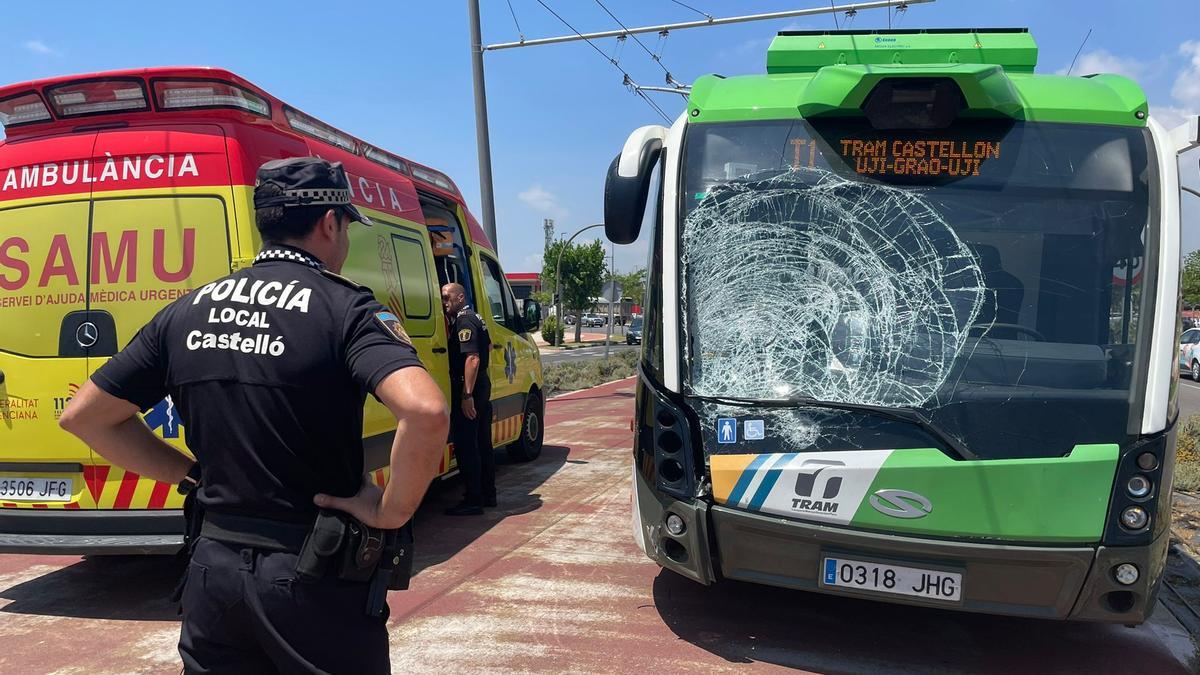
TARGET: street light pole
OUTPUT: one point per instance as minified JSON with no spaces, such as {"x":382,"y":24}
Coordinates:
{"x":482,"y":140}
{"x":558,"y":279}
{"x":612,"y":287}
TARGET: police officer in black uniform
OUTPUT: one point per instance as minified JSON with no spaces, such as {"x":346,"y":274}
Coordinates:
{"x":268,"y":369}
{"x":470,"y":402}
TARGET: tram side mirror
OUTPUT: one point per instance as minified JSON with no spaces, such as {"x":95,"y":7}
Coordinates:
{"x":533,"y":316}
{"x":628,"y":184}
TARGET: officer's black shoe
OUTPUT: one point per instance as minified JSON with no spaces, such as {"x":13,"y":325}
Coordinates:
{"x":489,"y":501}
{"x":465,"y":510}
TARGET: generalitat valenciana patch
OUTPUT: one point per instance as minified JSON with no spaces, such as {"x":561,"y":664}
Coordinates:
{"x":394,"y":327}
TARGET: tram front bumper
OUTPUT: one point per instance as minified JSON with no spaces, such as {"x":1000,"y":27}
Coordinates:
{"x":1072,"y":582}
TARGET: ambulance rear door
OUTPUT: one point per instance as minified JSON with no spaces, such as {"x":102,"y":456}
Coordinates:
{"x":43,"y":275}
{"x":165,"y":232}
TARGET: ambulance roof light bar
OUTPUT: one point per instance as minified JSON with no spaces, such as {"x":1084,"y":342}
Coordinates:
{"x":311,"y":126}
{"x":21,"y":109}
{"x":385,"y":158}
{"x":95,"y":97}
{"x":193,"y":93}
{"x":434,"y":177}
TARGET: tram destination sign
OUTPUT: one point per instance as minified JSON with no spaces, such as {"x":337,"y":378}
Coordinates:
{"x":887,"y":157}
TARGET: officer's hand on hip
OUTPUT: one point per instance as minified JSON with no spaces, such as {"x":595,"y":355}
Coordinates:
{"x":468,"y":408}
{"x":366,"y":505}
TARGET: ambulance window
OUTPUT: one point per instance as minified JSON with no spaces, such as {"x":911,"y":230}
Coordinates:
{"x":510,"y":304}
{"x":415,"y":289}
{"x":449,"y":252}
{"x":494,"y":285}
{"x":43,"y":276}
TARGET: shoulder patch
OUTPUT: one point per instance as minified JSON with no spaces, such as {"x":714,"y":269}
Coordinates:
{"x":464,"y":335}
{"x":344,"y":281}
{"x":393,"y":326}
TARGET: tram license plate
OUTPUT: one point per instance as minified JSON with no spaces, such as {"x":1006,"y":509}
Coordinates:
{"x":892,"y":579}
{"x":17,"y":488}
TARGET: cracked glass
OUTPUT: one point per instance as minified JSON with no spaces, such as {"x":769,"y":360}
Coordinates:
{"x":991,"y":276}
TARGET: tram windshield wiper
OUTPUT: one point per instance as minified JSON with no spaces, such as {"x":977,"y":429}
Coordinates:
{"x":907,"y":415}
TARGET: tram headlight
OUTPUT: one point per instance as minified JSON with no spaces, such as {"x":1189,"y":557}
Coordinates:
{"x":1126,"y":574}
{"x":1134,"y":518}
{"x":1138,"y":487}
{"x":675,"y":524}
{"x":1147,"y":461}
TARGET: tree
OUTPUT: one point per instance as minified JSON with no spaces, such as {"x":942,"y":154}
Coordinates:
{"x":582,"y":271}
{"x":633,"y":284}
{"x":1191,"y":279}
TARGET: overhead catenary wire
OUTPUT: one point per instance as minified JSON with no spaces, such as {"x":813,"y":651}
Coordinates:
{"x":850,"y":16}
{"x":1079,"y":51}
{"x":654,"y":55}
{"x":835,"y":19}
{"x":687,"y":6}
{"x":627,"y":81}
{"x":520,"y":33}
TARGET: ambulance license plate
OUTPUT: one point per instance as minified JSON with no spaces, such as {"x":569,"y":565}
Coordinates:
{"x":17,"y":488}
{"x":892,"y":579}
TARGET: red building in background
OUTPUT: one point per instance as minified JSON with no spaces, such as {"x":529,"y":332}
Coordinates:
{"x":524,"y":284}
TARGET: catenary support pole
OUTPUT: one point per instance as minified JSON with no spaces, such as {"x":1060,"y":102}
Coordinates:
{"x":482,"y":140}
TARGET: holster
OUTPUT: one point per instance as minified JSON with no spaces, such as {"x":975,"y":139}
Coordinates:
{"x":394,"y":570}
{"x":193,"y":520}
{"x":339,"y":544}
{"x":323,"y":543}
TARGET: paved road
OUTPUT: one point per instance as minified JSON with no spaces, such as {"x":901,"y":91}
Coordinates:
{"x":582,"y":354}
{"x":552,"y":582}
{"x":1189,"y":397}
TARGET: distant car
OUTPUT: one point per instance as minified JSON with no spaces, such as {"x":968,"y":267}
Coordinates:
{"x":591,"y":320}
{"x":1189,"y":353}
{"x":569,"y":319}
{"x":633,"y":334}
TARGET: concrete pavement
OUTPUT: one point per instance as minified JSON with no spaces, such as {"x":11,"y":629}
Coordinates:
{"x":551,"y":582}
{"x":551,"y":356}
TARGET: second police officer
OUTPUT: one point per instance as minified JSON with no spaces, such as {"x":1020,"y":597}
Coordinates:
{"x":470,"y":402}
{"x":268,"y":369}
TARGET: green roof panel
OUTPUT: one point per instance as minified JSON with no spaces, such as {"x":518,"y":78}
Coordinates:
{"x":831,"y":74}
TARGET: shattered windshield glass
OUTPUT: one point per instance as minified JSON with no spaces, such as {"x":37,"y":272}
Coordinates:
{"x":990,"y":275}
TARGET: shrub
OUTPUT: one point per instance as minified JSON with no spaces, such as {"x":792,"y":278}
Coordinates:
{"x":1187,"y":455}
{"x":549,"y":325}
{"x":566,"y":377}
{"x":1187,"y":476}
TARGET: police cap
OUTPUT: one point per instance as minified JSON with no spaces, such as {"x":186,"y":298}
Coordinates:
{"x":305,"y":181}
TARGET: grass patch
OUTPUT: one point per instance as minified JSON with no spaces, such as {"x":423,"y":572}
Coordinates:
{"x":1187,"y":455}
{"x":1187,"y":476}
{"x":564,"y":377}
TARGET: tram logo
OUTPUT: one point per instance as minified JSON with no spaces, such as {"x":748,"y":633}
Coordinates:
{"x":817,"y":478}
{"x":901,"y":504}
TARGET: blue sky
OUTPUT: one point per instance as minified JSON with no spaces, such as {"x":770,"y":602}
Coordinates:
{"x":398,"y":74}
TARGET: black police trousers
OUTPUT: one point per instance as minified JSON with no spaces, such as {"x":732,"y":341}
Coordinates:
{"x":473,"y":448}
{"x":245,"y":612}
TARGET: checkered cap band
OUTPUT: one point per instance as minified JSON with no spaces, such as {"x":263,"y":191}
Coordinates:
{"x":315,"y":197}
{"x":290,"y":256}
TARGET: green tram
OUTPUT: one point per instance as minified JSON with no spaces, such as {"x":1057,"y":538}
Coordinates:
{"x":911,"y":322}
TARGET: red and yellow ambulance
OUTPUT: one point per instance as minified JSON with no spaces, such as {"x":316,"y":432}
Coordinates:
{"x":122,"y":191}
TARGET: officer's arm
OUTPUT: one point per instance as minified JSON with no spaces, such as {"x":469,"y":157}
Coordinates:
{"x":422,"y":424}
{"x":470,"y":373}
{"x":111,"y":426}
